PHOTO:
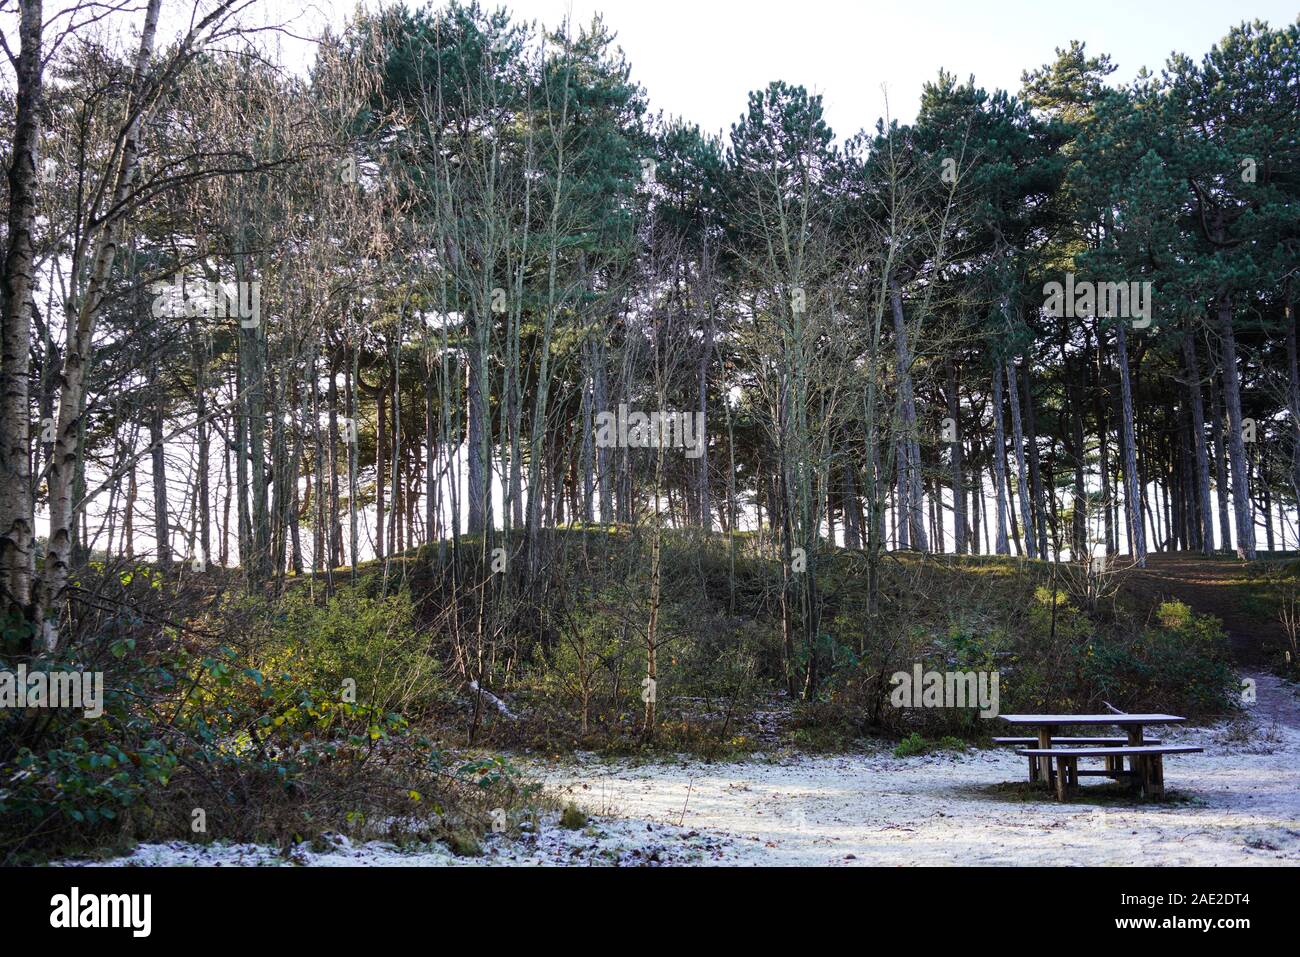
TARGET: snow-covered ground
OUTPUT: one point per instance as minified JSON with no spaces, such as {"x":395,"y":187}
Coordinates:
{"x":1241,"y":808}
{"x":1239,"y":804}
{"x":602,"y":843}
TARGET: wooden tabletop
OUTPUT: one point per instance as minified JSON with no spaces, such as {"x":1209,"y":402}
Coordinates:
{"x":1060,"y":719}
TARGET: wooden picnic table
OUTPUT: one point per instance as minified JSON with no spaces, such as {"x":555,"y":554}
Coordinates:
{"x":1040,"y":766}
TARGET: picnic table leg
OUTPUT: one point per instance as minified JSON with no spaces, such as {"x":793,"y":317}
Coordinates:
{"x":1065,"y":769}
{"x":1151,"y":779}
{"x":1157,"y":775}
{"x":1033,"y":769}
{"x":1135,"y":762}
{"x":1045,"y":762}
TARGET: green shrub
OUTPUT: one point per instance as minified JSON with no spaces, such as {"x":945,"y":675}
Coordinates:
{"x":911,"y":746}
{"x":356,"y":638}
{"x":1178,"y":662}
{"x":261,"y":737}
{"x":572,"y":819}
{"x":914,"y":744}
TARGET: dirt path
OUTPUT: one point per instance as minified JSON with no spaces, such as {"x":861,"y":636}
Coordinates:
{"x":1276,"y":702}
{"x":1219,"y":587}
{"x":1212,"y":586}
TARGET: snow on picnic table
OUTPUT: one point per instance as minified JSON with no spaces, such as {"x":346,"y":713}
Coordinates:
{"x":1240,"y":804}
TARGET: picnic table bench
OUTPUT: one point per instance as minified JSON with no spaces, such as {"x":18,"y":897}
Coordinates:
{"x":1092,"y":742}
{"x":1146,"y":756}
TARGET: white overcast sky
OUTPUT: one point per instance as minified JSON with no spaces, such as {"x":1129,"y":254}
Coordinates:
{"x":700,"y":58}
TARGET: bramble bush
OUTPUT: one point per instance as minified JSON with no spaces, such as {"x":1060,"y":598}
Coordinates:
{"x":257,"y":733}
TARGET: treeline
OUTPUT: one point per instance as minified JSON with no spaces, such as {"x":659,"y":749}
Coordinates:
{"x":330,"y":318}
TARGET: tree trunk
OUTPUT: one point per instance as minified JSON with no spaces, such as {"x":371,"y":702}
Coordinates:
{"x":352,"y":387}
{"x":999,"y":457}
{"x":1017,"y":438}
{"x":431,"y":498}
{"x":910,"y":445}
{"x":1079,"y":453}
{"x":903,"y":509}
{"x":1196,"y":406}
{"x":17,"y":519}
{"x":381,"y":461}
{"x":1236,"y":438}
{"x":1101,"y":407}
{"x":955,"y":462}
{"x":281,"y":464}
{"x":240,"y":490}
{"x":252,"y":351}
{"x":199,"y":346}
{"x":1035,"y":466}
{"x":395,"y":443}
{"x":334,"y":530}
{"x":295,"y":472}
{"x":1132,"y":493}
{"x":1293,"y":393}
{"x":223,"y":548}
{"x":702,"y":405}
{"x":479,"y":445}
{"x":128,"y":515}
{"x":1220,"y":463}
{"x":588,"y":452}
{"x":157,"y":455}
{"x":81,"y":318}
{"x":600,"y":400}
